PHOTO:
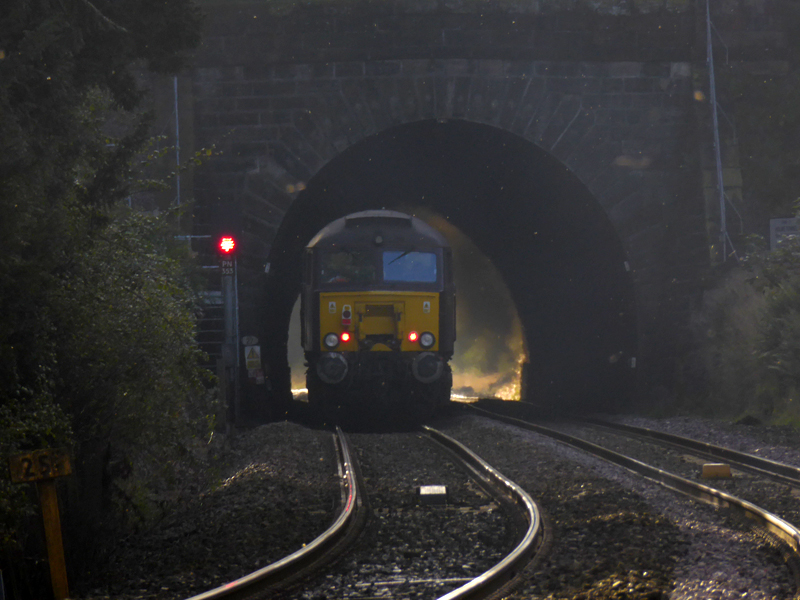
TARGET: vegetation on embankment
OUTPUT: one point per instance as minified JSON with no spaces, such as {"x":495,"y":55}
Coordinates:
{"x":746,"y":361}
{"x":97,"y":348}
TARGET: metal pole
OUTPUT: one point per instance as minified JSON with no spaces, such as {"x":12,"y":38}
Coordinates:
{"x":723,"y":222}
{"x":177,"y":145}
{"x":237,"y":341}
{"x":231,"y":352}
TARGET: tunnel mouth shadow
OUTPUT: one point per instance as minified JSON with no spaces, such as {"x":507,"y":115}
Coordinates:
{"x":551,"y":241}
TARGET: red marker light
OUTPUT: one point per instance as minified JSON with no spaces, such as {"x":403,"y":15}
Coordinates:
{"x":227,"y":244}
{"x":412,"y":336}
{"x":345,"y":337}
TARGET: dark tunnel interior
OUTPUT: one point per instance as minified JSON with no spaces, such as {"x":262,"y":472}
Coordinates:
{"x":549,"y":238}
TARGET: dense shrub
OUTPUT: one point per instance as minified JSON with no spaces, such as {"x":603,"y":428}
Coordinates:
{"x":747,"y":335}
{"x":97,"y":349}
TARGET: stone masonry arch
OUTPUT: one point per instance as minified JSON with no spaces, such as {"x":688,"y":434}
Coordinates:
{"x":551,"y":241}
{"x":604,"y":98}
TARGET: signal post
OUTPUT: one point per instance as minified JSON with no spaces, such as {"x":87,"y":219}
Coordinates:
{"x":226,"y":248}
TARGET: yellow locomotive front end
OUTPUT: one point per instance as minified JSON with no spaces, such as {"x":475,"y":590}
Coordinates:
{"x":406,"y":322}
{"x":379,"y":321}
{"x":378,"y":316}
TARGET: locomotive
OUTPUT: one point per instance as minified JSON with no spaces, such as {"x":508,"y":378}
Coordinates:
{"x":378,"y":319}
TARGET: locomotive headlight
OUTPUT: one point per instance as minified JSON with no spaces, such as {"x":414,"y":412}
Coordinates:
{"x":331,"y":341}
{"x":427,"y":340}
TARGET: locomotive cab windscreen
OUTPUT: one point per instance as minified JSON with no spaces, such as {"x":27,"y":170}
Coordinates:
{"x":371,"y":268}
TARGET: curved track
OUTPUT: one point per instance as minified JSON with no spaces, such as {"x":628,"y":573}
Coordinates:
{"x":504,"y":571}
{"x":468,"y":541}
{"x":750,"y":463}
{"x":305,"y":563}
{"x":319,"y":551}
{"x":770,"y":522}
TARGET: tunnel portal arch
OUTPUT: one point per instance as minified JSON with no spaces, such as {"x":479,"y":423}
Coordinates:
{"x":551,"y":240}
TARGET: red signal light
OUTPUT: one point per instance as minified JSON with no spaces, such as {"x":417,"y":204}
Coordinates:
{"x":412,"y":336}
{"x":227,"y":244}
{"x":345,"y":337}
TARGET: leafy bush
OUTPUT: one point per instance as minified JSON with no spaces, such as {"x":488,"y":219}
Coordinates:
{"x":726,"y":330}
{"x":96,"y":314}
{"x":126,"y":336}
{"x":748,"y":337}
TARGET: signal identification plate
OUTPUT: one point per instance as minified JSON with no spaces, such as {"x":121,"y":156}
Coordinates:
{"x":40,"y":464}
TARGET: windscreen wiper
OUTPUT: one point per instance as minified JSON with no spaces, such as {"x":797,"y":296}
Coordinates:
{"x":399,"y":257}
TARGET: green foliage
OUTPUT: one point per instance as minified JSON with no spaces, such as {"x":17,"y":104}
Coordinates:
{"x":726,"y":329}
{"x":96,"y":313}
{"x":748,"y":333}
{"x":778,"y":346}
{"x":126,"y":336}
{"x":28,"y":421}
{"x":748,"y":328}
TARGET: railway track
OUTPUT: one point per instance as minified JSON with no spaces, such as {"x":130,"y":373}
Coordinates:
{"x":470,"y":539}
{"x":742,"y":461}
{"x":505,"y":571}
{"x":762,"y":491}
{"x":611,"y":532}
{"x":313,"y":555}
{"x":358,"y":574}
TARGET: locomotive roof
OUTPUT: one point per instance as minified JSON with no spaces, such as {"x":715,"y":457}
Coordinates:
{"x":393,"y":226}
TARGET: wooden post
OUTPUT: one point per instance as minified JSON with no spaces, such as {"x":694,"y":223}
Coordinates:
{"x":42,"y":466}
{"x":52,"y":533}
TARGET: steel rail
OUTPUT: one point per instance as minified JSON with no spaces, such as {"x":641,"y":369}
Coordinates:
{"x":772,"y":523}
{"x":765,"y":467}
{"x":291,"y":565}
{"x":514,"y":562}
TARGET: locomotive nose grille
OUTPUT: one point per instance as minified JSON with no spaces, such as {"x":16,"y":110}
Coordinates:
{"x":378,"y":323}
{"x":379,"y":310}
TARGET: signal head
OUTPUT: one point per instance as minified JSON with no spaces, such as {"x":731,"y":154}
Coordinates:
{"x":226,"y":245}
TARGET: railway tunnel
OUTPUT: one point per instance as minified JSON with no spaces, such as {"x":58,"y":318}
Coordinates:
{"x":548,"y":237}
